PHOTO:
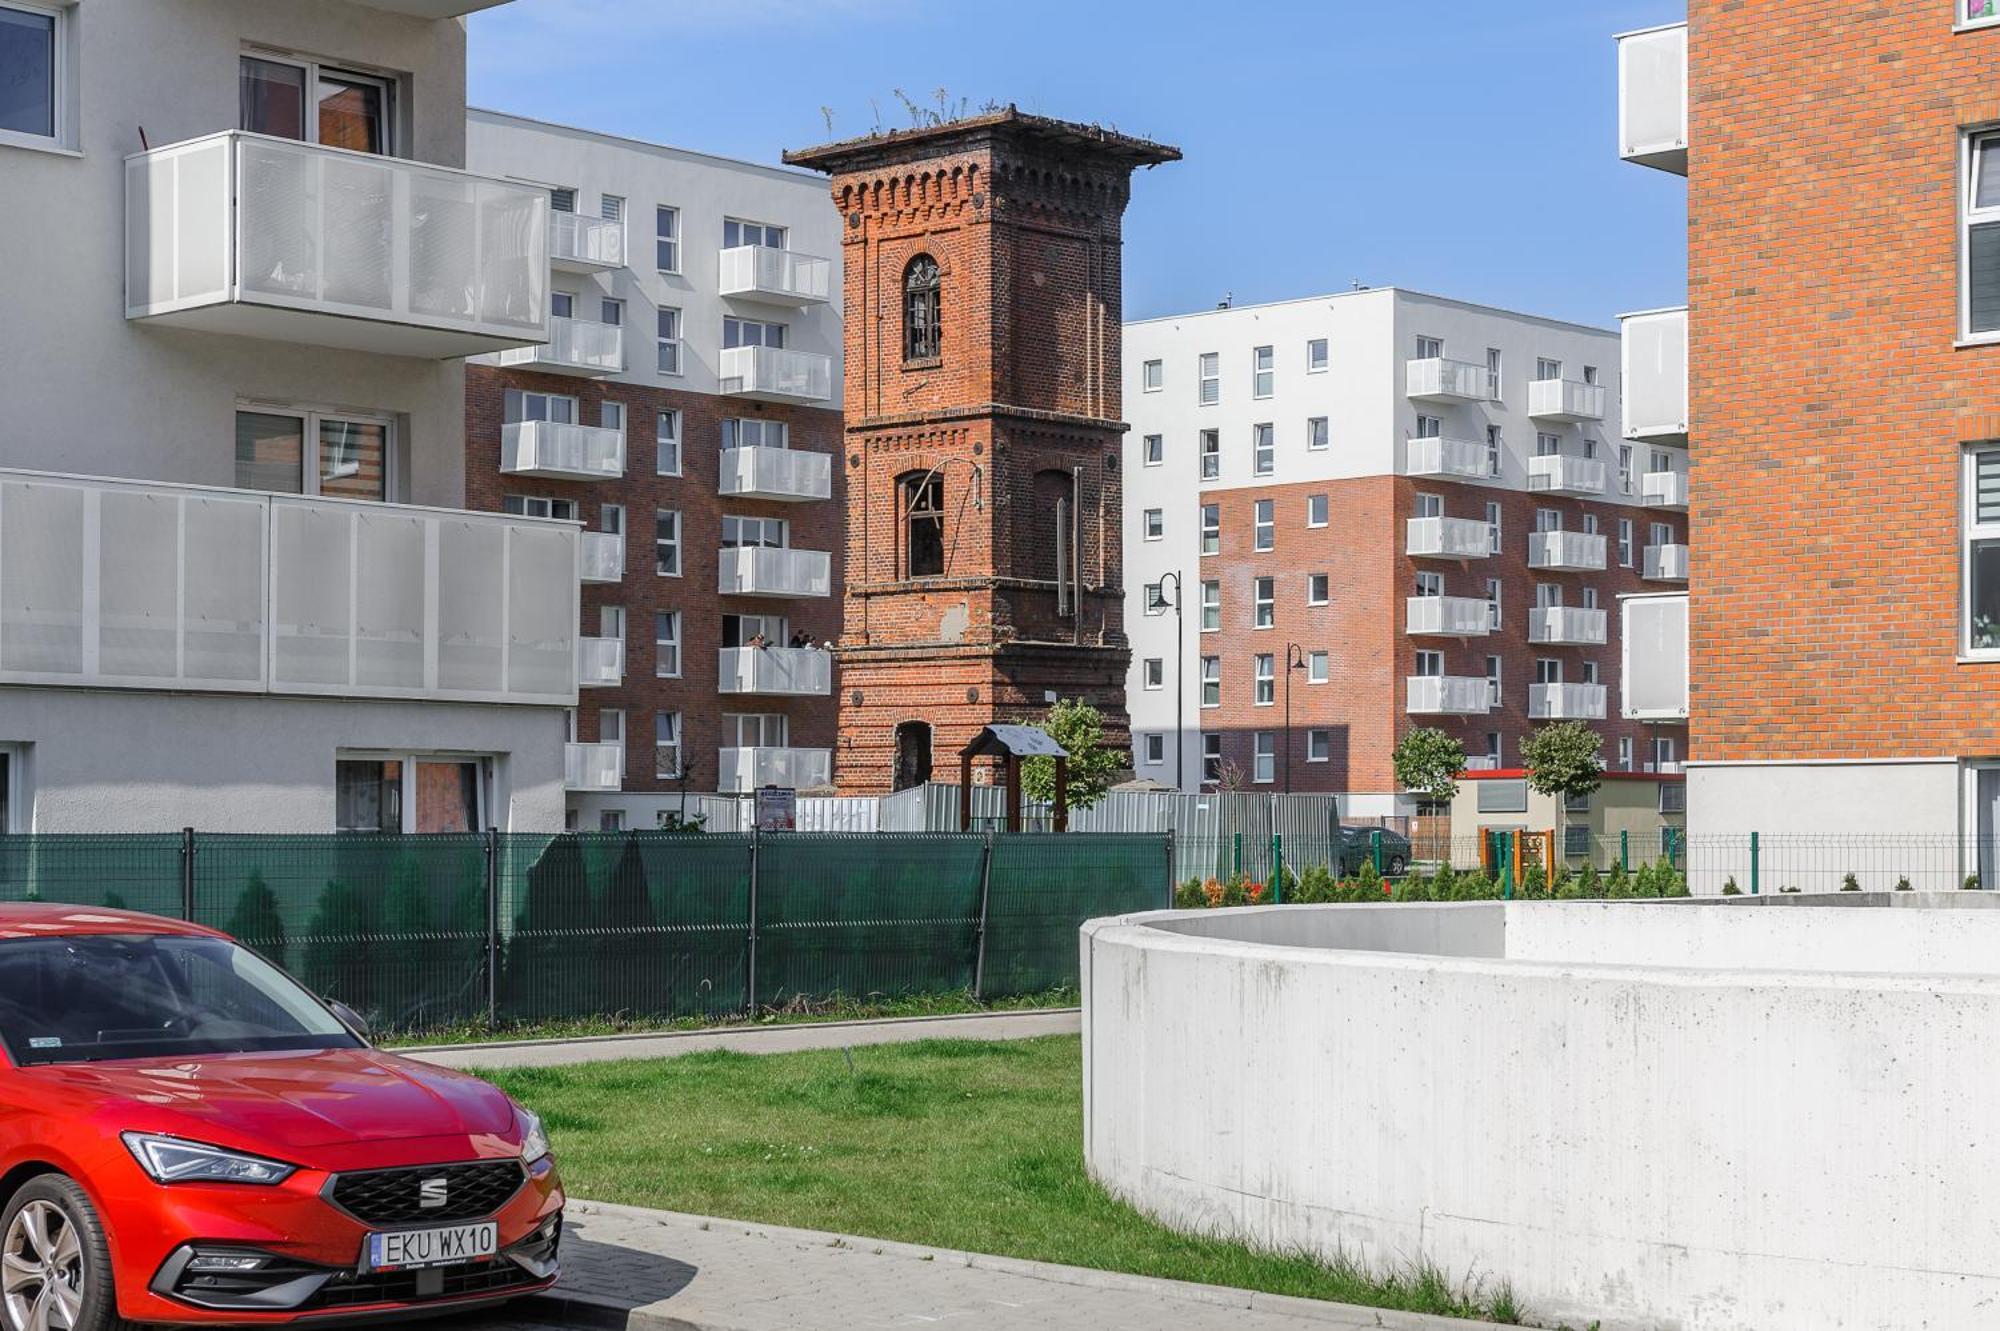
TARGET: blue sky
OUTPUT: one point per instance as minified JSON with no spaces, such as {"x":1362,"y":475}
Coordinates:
{"x":1465,"y":149}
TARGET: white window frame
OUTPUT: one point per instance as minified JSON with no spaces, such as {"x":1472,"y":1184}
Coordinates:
{"x":1429,"y":348}
{"x":670,"y":643}
{"x":677,"y":543}
{"x":667,"y":443}
{"x":667,"y":239}
{"x":1155,"y":603}
{"x":1208,"y":378}
{"x":1495,"y":444}
{"x":1496,"y":684}
{"x":736,"y":526}
{"x":1263,"y":449}
{"x":540,"y":506}
{"x":1263,"y":372}
{"x":1975,"y":144}
{"x":1318,"y":511}
{"x":672,"y":346}
{"x":410,"y":759}
{"x":1264,"y":750}
{"x":1154,"y":524}
{"x":1319,"y":668}
{"x":1966,"y":23}
{"x":1153,"y":674}
{"x":1264,"y":680}
{"x":763,"y":229}
{"x":1625,"y":541}
{"x":1152,"y":376}
{"x":1319,"y":355}
{"x":1973,"y":533}
{"x":1495,"y":516}
{"x":1496,"y":370}
{"x":734,"y":325}
{"x":1624,"y":753}
{"x":1264,"y":530}
{"x":1156,"y":750}
{"x":1153,"y":450}
{"x":310,"y":419}
{"x":1319,"y":434}
{"x":62,"y":84}
{"x":675,"y":743}
{"x":1319,"y":746}
{"x":1495,"y":594}
{"x":1211,"y":530}
{"x":1211,"y":624}
{"x":1211,"y":455}
{"x":1211,"y":681}
{"x":1323,"y":593}
{"x":1264,"y":603}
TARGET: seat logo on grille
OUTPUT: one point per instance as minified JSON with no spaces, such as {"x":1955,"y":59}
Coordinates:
{"x":433,"y":1194}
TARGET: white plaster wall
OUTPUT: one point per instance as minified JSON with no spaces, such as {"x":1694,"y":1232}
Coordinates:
{"x":1653,"y":1148}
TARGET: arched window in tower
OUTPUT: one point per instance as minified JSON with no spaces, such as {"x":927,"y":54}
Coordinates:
{"x":923,"y":330}
{"x":923,"y":524}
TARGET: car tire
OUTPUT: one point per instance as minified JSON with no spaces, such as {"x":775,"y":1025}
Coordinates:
{"x":55,"y":1210}
{"x":1396,"y":866}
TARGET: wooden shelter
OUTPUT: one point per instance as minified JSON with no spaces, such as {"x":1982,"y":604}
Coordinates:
{"x":1012,"y":744}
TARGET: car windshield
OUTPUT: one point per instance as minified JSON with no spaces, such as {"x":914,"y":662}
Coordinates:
{"x":86,"y":997}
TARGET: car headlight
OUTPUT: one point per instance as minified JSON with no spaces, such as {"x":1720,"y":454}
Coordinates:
{"x":172,"y":1160}
{"x":534,"y":1138}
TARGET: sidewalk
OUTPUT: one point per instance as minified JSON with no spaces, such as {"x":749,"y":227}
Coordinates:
{"x":777,"y":1039}
{"x":656,"y":1271}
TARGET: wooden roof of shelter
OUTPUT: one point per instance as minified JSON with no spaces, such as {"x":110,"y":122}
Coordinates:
{"x":1019,"y":741}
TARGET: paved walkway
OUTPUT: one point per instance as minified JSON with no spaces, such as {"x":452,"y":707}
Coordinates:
{"x":656,"y":1271}
{"x":777,"y":1039}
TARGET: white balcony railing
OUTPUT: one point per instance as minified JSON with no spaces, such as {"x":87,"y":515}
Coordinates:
{"x":1449,"y":538}
{"x":1484,"y":762}
{"x":594,"y":767}
{"x":777,"y":672}
{"x":1655,"y":375}
{"x":1449,"y":617}
{"x":112,"y":584}
{"x":742,"y":770}
{"x":778,"y":277}
{"x":1566,"y":551}
{"x":1441,"y":380}
{"x":1465,"y":458}
{"x":579,"y":244}
{"x":1653,"y":97}
{"x":1561,"y":474}
{"x":1567,"y":400}
{"x":580,"y":347}
{"x":600,"y":662}
{"x":772,"y":374}
{"x":603,"y":557}
{"x":434,"y":9}
{"x":1568,"y":626}
{"x":767,"y":571}
{"x":788,"y":475}
{"x":560,"y":451}
{"x":1666,"y":563}
{"x":1449,"y":695}
{"x":1664,"y":489}
{"x":291,"y":242}
{"x":1566,"y":702}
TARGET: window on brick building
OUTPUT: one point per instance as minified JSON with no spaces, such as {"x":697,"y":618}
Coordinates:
{"x":923,"y":524}
{"x":1211,"y":454}
{"x":741,"y":533}
{"x":667,"y":644}
{"x":1981,"y":577}
{"x":1493,"y":526}
{"x":1211,"y":529}
{"x":1978,"y":13}
{"x":1265,"y":597}
{"x":1211,"y":681}
{"x":1319,"y":746}
{"x":667,"y":543}
{"x":1624,"y":753}
{"x":1493,"y":681}
{"x":923,"y":309}
{"x":667,"y":444}
{"x":1317,"y":586}
{"x":1317,"y":668}
{"x":1211,"y":607}
{"x":1981,"y":280}
{"x":1267,"y":524}
{"x":1266,"y":680}
{"x":1493,"y":749}
{"x":1316,"y":511}
{"x":1211,"y":758}
{"x":1430,"y":664}
{"x":1625,"y":542}
{"x":534,"y":506}
{"x":1264,"y":757}
{"x":1493,"y":594}
{"x":667,"y":745}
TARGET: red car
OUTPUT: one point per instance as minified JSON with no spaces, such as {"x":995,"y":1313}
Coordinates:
{"x":188,"y":1136}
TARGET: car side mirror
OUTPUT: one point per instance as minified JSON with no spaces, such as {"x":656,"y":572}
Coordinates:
{"x":351,"y":1019}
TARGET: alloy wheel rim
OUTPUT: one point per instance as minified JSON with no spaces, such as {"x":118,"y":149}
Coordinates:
{"x":41,"y":1270}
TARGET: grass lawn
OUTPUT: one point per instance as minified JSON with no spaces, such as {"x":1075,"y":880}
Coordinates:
{"x":957,"y":1144}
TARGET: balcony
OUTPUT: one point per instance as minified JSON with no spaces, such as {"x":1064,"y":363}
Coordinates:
{"x":741,"y":771}
{"x":1656,"y":375}
{"x":1449,"y":617}
{"x":1449,"y":538}
{"x":1484,"y":762}
{"x":776,"y":672}
{"x":1665,"y":563}
{"x":1568,"y":626}
{"x":109,"y":584}
{"x":597,"y":768}
{"x":579,"y":244}
{"x":1568,"y":401}
{"x":1566,"y":702}
{"x":558,"y":451}
{"x":600,"y":662}
{"x":772,"y":374}
{"x":290,"y":242}
{"x":1442,"y":380}
{"x":432,"y":9}
{"x":1566,"y":552}
{"x":1462,"y":459}
{"x":1653,"y":666}
{"x":786,"y":475}
{"x":1664,"y":489}
{"x":1562,"y":475}
{"x":776,"y":277}
{"x":603,"y":558}
{"x":762,"y":570}
{"x":579,"y":347}
{"x":1653,"y":97}
{"x":1449,"y":695}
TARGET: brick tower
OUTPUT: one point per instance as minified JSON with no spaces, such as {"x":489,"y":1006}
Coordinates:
{"x":984,"y":507}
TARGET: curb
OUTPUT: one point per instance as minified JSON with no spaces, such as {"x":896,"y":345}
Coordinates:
{"x":751,"y":1030}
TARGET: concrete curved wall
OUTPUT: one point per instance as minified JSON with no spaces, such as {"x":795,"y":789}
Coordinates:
{"x":1603,"y":1104}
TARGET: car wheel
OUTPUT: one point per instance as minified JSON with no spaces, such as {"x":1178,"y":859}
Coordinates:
{"x":1396,"y":866}
{"x":55,"y":1270}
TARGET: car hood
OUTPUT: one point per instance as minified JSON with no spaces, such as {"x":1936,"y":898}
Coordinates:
{"x":276,"y":1102}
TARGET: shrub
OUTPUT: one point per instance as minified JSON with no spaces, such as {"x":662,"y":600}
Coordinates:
{"x":1618,"y":883}
{"x":1730,"y":889}
{"x":1534,"y":880}
{"x":1903,"y":884}
{"x":1415,"y":888}
{"x":1443,"y":885}
{"x":1189,"y":896}
{"x":1589,"y":884}
{"x":1793,"y":891}
{"x":1369,"y":879}
{"x":1316,"y":886}
{"x":1850,"y":883}
{"x":1679,"y":886}
{"x":1232,"y":891}
{"x":1212,"y":892}
{"x":1971,"y":883}
{"x":1254,"y":894}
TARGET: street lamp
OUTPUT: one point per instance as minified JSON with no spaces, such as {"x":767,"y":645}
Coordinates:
{"x":1158,"y":603}
{"x":1295,"y":660}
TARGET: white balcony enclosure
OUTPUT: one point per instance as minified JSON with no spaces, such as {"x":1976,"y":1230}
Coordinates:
{"x":743,"y":770}
{"x":1566,"y":702}
{"x":1464,"y":459}
{"x":1564,"y":475}
{"x":603,"y":557}
{"x":776,"y":277}
{"x":113,"y":584}
{"x":1667,"y":769}
{"x":600,"y":662}
{"x":776,"y":672}
{"x":1656,"y":375}
{"x":787,"y":475}
{"x":1568,"y":626}
{"x":594,"y":767}
{"x":773,"y":374}
{"x":1449,"y":617}
{"x":1654,"y":671}
{"x":1653,"y":97}
{"x":1482,"y":763}
{"x":432,"y":9}
{"x":580,"y":244}
{"x":1666,"y":563}
{"x":1664,"y":489}
{"x":1443,"y":380}
{"x":1566,"y":551}
{"x":579,"y":347}
{"x":557,"y":450}
{"x":1448,"y":695}
{"x":1570,"y":401}
{"x":1449,"y":538}
{"x":763,"y":570}
{"x":291,"y":242}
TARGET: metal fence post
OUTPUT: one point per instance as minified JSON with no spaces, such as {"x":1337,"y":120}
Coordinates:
{"x":1277,"y":868}
{"x":187,"y":874}
{"x":492,"y":928}
{"x":985,"y":901}
{"x":1625,"y":850}
{"x":1375,"y":849}
{"x":1754,"y":866}
{"x":750,"y":969}
{"x":1173,"y":870}
{"x":1239,"y":855}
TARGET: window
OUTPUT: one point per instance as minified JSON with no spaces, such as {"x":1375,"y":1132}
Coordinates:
{"x":1493,"y":526}
{"x":667,"y":746}
{"x":750,"y":432}
{"x":667,"y":240}
{"x":1265,"y":594}
{"x":751,"y":333}
{"x":753,"y":730}
{"x":1589,"y":447}
{"x":1429,"y":348}
{"x":1155,"y":673}
{"x":1982,"y":550}
{"x":667,"y":644}
{"x":611,"y":312}
{"x":1548,"y":519}
{"x":923,"y":522}
{"x":1664,"y":752}
{"x":1546,"y":369}
{"x":1263,"y":450}
{"x":1266,"y":693}
{"x":1548,"y":670}
{"x":1155,"y":450}
{"x":1152,"y":376}
{"x":1211,"y":529}
{"x":1673,"y":799}
{"x":1267,"y":524}
{"x":1590,"y":375}
{"x":1493,"y":748}
{"x":1264,"y":765}
{"x":740,"y":533}
{"x":303,"y":101}
{"x":611,"y":624}
{"x":1662,"y":533}
{"x":33,"y":92}
{"x":1590,"y":598}
{"x":1590,"y":525}
{"x":611,"y":820}
{"x":1210,"y":378}
{"x":737,"y":233}
{"x":1156,"y":602}
{"x":397,"y":793}
{"x":1317,"y":668}
{"x":667,"y":543}
{"x":611,"y":519}
{"x":1211,"y":758}
{"x":1316,"y":356}
{"x":1430,"y":506}
{"x":1318,"y":436}
{"x":1493,"y":681}
{"x":1156,"y":750}
{"x":1495,"y":364}
{"x":1430,"y":584}
{"x":314,"y":453}
{"x":611,"y":208}
{"x":1429,"y":427}
{"x":562,"y":200}
{"x":1979,"y":13}
{"x":562,"y":304}
{"x":1590,"y":672}
{"x":667,"y":444}
{"x":1548,"y":596}
{"x":670,"y":341}
{"x":755,"y":630}
{"x":1576,"y":836}
{"x":1430,"y":664}
{"x":1156,"y":524}
{"x":1316,"y":512}
{"x":1211,"y":454}
{"x":1493,"y":590}
{"x":533,"y":506}
{"x":611,"y":726}
{"x":1263,"y":374}
{"x":1319,"y":746}
{"x":923,"y":312}
{"x":1211,"y":681}
{"x":1625,"y":469}
{"x":1548,"y":446}
{"x":1625,"y":542}
{"x":1317,"y":586}
{"x":1211,"y":607}
{"x":1624,"y":753}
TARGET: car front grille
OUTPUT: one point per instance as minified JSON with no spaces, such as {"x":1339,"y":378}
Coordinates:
{"x":394,"y":1197}
{"x":350,"y":1290}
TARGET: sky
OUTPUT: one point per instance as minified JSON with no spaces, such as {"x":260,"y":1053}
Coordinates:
{"x":1463,"y":149}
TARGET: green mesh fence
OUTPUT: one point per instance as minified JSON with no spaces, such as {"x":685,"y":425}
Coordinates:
{"x":1045,"y":887}
{"x":121,"y":872}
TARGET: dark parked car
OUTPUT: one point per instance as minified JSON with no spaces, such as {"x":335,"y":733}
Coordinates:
{"x":1357,"y":847}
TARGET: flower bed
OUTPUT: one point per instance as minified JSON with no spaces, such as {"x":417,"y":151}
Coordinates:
{"x":1318,"y":886}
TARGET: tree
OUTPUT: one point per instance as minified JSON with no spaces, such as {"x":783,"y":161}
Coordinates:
{"x":255,"y":922}
{"x":1563,"y":761}
{"x":1428,"y":762}
{"x":1079,"y":728}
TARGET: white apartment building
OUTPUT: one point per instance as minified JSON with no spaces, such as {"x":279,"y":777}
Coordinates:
{"x":239,"y":590}
{"x":1384,"y":509}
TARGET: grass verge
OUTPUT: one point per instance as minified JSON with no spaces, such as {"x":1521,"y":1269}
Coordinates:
{"x":974,"y":1146}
